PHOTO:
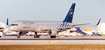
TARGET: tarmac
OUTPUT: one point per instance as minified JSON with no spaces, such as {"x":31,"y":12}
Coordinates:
{"x":45,"y":40}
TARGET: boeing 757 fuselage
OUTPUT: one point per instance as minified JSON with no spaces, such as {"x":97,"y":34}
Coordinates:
{"x":52,"y":28}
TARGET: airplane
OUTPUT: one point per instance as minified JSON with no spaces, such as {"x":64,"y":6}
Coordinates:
{"x":2,"y":25}
{"x":88,"y":31}
{"x":50,"y":27}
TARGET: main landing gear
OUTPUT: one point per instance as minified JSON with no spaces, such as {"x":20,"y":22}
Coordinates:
{"x":52,"y":36}
{"x":36,"y":36}
{"x":49,"y":32}
{"x":18,"y":34}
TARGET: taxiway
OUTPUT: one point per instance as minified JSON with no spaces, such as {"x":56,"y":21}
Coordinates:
{"x":24,"y":40}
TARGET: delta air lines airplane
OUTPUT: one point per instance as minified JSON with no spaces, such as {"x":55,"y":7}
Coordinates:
{"x":50,"y":27}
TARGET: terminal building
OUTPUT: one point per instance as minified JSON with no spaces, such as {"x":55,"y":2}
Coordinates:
{"x":101,"y":27}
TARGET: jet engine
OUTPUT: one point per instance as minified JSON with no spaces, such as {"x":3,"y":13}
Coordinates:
{"x":23,"y":33}
{"x":52,"y":32}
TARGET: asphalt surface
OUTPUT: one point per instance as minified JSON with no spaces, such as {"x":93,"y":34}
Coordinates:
{"x":11,"y":40}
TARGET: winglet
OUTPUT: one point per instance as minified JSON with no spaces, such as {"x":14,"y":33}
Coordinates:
{"x":98,"y":22}
{"x":69,"y":15}
{"x":7,"y":22}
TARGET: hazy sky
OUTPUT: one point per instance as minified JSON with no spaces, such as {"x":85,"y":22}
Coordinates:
{"x":86,"y":11}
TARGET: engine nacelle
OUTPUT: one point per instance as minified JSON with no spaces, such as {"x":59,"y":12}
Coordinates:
{"x":53,"y":32}
{"x":23,"y":33}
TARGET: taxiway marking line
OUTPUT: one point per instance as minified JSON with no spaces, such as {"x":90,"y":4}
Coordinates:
{"x":46,"y":43}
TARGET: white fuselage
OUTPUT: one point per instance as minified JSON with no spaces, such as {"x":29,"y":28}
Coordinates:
{"x":38,"y":26}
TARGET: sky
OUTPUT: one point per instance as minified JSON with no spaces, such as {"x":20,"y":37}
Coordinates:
{"x":86,"y":11}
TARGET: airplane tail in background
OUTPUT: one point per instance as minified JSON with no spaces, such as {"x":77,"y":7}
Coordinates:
{"x":98,"y":22}
{"x":87,"y":29}
{"x":7,"y":22}
{"x":80,"y":31}
{"x":69,"y":16}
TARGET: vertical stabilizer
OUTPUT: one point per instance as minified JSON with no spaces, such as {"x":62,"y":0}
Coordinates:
{"x":7,"y":22}
{"x":98,"y":22}
{"x":80,"y":31}
{"x":87,"y":29}
{"x":69,"y":15}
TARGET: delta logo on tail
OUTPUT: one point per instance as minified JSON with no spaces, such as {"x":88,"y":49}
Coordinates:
{"x":69,"y":17}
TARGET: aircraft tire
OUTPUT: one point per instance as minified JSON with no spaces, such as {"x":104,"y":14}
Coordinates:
{"x":36,"y":36}
{"x":52,"y":36}
{"x":18,"y":36}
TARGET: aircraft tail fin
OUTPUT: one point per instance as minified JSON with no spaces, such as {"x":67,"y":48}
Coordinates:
{"x":80,"y":31}
{"x":70,"y":13}
{"x":98,"y":22}
{"x":87,"y":29}
{"x":7,"y":22}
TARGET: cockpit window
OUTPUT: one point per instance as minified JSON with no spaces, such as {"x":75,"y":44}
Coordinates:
{"x":14,"y":24}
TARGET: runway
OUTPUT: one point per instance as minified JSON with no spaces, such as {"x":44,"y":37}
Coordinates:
{"x":11,"y":40}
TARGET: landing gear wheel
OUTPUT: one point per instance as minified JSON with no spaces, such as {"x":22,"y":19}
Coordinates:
{"x":52,"y":36}
{"x":18,"y":36}
{"x":36,"y":36}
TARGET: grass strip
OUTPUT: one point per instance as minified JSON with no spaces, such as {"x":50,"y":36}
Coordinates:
{"x":54,"y":47}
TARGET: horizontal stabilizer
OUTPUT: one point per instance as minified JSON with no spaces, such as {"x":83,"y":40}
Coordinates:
{"x":80,"y":24}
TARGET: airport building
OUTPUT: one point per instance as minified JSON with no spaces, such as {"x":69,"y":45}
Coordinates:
{"x":101,"y":27}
